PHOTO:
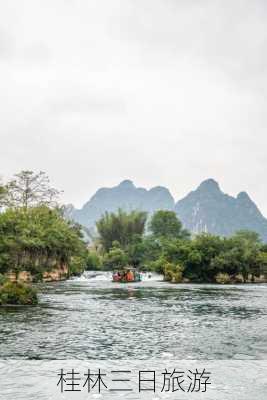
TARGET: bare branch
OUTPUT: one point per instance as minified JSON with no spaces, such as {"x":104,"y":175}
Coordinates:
{"x":29,"y":189}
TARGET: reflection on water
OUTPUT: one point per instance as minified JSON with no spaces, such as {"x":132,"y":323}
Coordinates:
{"x":91,"y":317}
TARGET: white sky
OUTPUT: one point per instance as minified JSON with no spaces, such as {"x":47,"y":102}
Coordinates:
{"x":162,"y":92}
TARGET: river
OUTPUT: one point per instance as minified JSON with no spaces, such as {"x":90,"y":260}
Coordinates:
{"x":92,"y":318}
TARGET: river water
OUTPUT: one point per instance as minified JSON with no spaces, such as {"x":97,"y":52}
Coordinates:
{"x":93,"y":318}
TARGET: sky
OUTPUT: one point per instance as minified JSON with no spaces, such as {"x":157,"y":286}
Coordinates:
{"x":162,"y":92}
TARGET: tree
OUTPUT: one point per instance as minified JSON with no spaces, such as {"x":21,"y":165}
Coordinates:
{"x":3,"y":193}
{"x":121,"y":227}
{"x":29,"y":189}
{"x":249,"y":245}
{"x":201,"y":252}
{"x":229,"y":261}
{"x":165,"y":224}
{"x":262,"y":261}
{"x":248,"y":236}
{"x":115,"y":258}
{"x":37,"y":239}
{"x":173,"y":273}
{"x":93,"y":261}
{"x":136,"y":251}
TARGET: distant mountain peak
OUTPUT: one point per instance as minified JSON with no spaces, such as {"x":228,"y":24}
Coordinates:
{"x":209,"y":185}
{"x":245,"y":202}
{"x":243,"y":196}
{"x":159,"y":189}
{"x":125,"y":196}
{"x":127,"y":183}
{"x":206,"y":209}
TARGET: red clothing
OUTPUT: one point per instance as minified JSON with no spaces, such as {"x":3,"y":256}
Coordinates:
{"x":130,"y":276}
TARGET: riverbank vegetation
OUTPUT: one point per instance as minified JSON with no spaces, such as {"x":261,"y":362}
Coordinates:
{"x":16,"y":293}
{"x":38,"y":239}
{"x":35,"y":238}
{"x":38,"y":243}
{"x":169,"y":249}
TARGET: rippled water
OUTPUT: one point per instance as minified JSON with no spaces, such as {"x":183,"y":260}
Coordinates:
{"x":93,"y":318}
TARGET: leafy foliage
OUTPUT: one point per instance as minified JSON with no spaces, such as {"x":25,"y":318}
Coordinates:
{"x":115,"y":258}
{"x":165,"y":224}
{"x":37,"y":239}
{"x":223,"y":278}
{"x":77,"y":265}
{"x":3,"y":193}
{"x":34,"y":236}
{"x":93,"y":261}
{"x":173,"y":273}
{"x":206,"y":258}
{"x":168,"y":249}
{"x":121,"y":227}
{"x":17,"y":294}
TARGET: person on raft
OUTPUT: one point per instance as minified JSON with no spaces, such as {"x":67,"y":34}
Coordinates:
{"x":126,"y":276}
{"x":129,"y":276}
{"x":117,"y":276}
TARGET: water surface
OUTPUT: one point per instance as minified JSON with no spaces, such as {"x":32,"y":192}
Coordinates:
{"x":93,"y":318}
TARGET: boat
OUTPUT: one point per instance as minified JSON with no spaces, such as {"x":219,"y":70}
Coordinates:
{"x":127,"y":275}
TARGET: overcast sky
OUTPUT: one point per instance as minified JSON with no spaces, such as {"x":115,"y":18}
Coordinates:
{"x":162,"y":92}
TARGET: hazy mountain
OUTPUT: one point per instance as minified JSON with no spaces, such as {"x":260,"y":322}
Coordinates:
{"x":206,"y":209}
{"x":126,"y":196}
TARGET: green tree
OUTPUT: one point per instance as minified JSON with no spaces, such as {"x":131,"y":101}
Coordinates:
{"x":3,"y":193}
{"x":121,"y":227}
{"x":248,"y":237}
{"x":115,"y":258}
{"x":249,"y":245}
{"x":37,"y":239}
{"x":203,"y":249}
{"x":229,"y":262}
{"x":136,"y":251}
{"x":165,"y":224}
{"x":93,"y":261}
{"x":173,"y":272}
{"x":17,"y":294}
{"x":262,"y":262}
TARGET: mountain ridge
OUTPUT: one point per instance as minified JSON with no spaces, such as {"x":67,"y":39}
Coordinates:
{"x":208,"y":209}
{"x":205,"y":209}
{"x":126,"y":196}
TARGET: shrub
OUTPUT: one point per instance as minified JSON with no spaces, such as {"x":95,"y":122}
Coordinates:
{"x":17,"y":294}
{"x":77,"y":266}
{"x":167,"y":271}
{"x":158,"y":265}
{"x":93,"y":261}
{"x":238,"y":279}
{"x":173,"y":273}
{"x":3,"y":279}
{"x":222,"y":278}
{"x":115,"y":258}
